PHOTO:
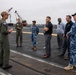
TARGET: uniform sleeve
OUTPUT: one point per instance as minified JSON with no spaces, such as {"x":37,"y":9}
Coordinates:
{"x":48,"y":26}
{"x":0,"y":26}
{"x":72,"y":32}
{"x":70,"y":25}
{"x":21,"y":26}
{"x":63,"y":26}
{"x":52,"y":28}
{"x":37,"y":30}
{"x":4,"y":31}
{"x":16,"y":26}
{"x":65,"y":31}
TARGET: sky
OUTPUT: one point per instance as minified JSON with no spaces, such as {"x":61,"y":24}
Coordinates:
{"x":38,"y":9}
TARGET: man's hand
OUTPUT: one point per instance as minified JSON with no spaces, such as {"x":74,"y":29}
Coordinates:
{"x":18,"y":28}
{"x":10,"y":30}
{"x":63,"y":35}
{"x":67,"y":36}
{"x":46,"y":29}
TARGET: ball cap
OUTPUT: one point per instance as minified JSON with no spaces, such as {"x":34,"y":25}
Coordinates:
{"x":74,"y":14}
{"x":4,"y":13}
{"x":34,"y":21}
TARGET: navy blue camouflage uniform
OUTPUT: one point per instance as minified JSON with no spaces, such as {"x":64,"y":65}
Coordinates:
{"x":72,"y":35}
{"x":35,"y":31}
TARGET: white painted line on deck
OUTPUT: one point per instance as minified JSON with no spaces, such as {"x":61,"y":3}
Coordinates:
{"x":2,"y":73}
{"x":39,"y":33}
{"x":40,"y":60}
{"x":37,"y":59}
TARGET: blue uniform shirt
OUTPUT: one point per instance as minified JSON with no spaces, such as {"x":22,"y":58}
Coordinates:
{"x":35,"y":30}
{"x":72,"y":33}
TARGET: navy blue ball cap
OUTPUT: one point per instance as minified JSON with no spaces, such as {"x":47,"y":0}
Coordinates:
{"x":34,"y":21}
{"x":74,"y":14}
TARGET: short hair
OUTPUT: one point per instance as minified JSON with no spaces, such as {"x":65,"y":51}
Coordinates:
{"x":59,"y":18}
{"x":48,"y":17}
{"x":4,"y":13}
{"x":69,"y":16}
{"x":18,"y":18}
{"x":34,"y":21}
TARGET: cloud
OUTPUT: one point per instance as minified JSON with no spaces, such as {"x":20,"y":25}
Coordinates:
{"x":39,"y":9}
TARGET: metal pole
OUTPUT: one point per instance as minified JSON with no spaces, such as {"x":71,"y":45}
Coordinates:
{"x":10,"y":18}
{"x":10,"y":9}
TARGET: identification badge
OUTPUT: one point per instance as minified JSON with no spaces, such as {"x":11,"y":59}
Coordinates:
{"x":5,"y":24}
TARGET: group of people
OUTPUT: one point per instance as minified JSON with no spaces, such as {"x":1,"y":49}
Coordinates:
{"x":66,"y":38}
{"x":62,"y":30}
{"x":34,"y":29}
{"x":4,"y":40}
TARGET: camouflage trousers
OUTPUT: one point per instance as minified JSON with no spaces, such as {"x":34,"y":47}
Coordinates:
{"x":72,"y":54}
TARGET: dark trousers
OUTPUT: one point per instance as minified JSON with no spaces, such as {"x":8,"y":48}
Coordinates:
{"x":4,"y":52}
{"x":60,"y":40}
{"x":33,"y":39}
{"x":66,"y":46}
{"x":19,"y":37}
{"x":48,"y":44}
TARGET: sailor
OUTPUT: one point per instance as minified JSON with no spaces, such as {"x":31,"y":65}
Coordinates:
{"x":19,"y":28}
{"x":35,"y":31}
{"x":4,"y":41}
{"x":72,"y":35}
